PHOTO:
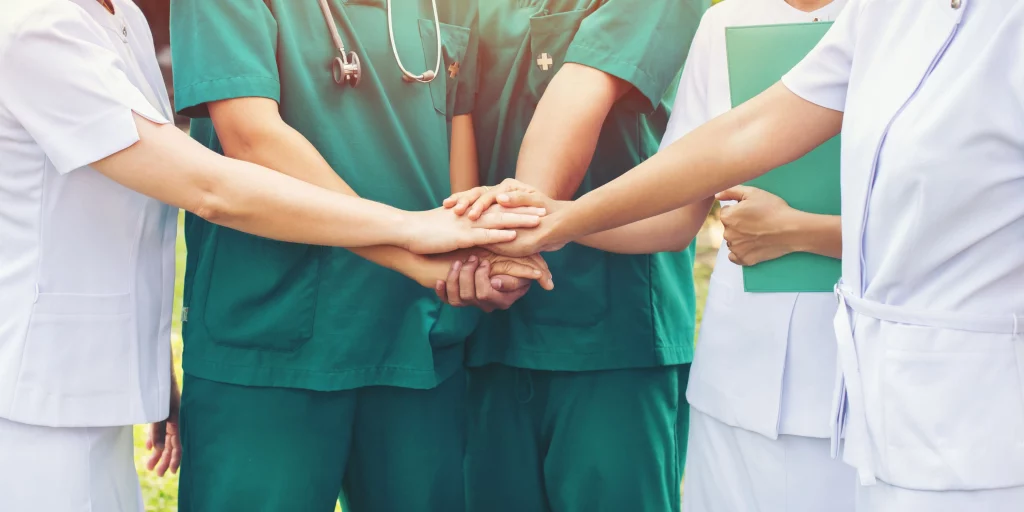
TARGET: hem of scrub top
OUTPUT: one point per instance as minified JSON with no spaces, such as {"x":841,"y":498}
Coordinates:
{"x":584,"y":362}
{"x":314,"y":380}
{"x":641,"y":80}
{"x":191,"y":100}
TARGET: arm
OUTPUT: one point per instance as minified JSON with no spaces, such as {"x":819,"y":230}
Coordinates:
{"x":169,"y":166}
{"x":772,"y":129}
{"x":464,"y":168}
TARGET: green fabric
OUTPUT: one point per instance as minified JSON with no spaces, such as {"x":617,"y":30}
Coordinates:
{"x":758,"y":57}
{"x":607,"y":311}
{"x":383,"y":449}
{"x":596,"y":441}
{"x":266,"y":313}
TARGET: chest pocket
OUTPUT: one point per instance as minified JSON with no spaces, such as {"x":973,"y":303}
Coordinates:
{"x":454,"y":42}
{"x":550,"y":37}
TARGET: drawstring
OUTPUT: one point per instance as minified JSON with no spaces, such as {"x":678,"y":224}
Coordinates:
{"x":521,"y":376}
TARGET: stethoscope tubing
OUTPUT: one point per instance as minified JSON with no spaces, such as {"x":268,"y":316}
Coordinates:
{"x":346,"y":67}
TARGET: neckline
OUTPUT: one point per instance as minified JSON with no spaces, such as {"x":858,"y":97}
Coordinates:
{"x":109,"y":6}
{"x":823,"y":13}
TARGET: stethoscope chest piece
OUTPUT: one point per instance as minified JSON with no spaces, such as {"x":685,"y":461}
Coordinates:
{"x":347,"y":69}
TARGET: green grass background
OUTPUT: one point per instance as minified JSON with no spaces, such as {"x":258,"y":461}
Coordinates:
{"x":161,"y":494}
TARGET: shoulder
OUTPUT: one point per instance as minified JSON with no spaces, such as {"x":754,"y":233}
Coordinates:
{"x":38,"y":17}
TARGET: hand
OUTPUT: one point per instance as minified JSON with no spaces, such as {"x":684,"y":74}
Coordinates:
{"x":164,"y":439}
{"x":480,"y":199}
{"x":758,"y":228}
{"x":484,"y":281}
{"x":439,"y":230}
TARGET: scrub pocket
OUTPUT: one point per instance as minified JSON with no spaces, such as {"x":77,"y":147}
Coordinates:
{"x":454,"y":41}
{"x":952,"y":403}
{"x":582,"y":296}
{"x":262,"y":293}
{"x":550,"y":37}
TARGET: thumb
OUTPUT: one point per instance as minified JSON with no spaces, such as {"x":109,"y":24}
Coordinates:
{"x":504,"y":283}
{"x":737,"y":193}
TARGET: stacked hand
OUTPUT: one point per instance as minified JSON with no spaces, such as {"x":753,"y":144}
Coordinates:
{"x":440,"y":230}
{"x":479,"y":281}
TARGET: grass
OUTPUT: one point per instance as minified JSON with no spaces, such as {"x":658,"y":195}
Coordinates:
{"x":161,"y":494}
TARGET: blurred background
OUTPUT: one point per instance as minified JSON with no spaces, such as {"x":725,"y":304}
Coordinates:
{"x":161,"y":494}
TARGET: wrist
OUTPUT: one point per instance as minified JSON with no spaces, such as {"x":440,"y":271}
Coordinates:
{"x":400,"y":227}
{"x":795,"y":234}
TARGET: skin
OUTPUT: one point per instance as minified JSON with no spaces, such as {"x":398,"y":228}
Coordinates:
{"x":770,"y":130}
{"x":763,"y":227}
{"x":251,"y":129}
{"x":556,"y":152}
{"x":169,"y":166}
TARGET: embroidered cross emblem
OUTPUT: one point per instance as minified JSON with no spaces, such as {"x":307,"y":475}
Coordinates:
{"x":545,"y":62}
{"x":453,"y":70}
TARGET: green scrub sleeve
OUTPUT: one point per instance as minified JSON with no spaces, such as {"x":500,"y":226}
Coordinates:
{"x":643,"y":46}
{"x":222,"y":49}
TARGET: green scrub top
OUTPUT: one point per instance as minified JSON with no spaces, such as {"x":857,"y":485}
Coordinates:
{"x":267,"y":313}
{"x":607,"y":311}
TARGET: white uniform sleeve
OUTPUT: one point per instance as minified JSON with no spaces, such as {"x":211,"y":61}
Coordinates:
{"x":690,"y":109}
{"x":823,"y":76}
{"x":63,"y":81}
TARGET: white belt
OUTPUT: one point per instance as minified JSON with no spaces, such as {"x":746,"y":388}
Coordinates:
{"x":849,"y":407}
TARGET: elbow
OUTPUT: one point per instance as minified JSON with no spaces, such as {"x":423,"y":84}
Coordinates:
{"x":212,"y":203}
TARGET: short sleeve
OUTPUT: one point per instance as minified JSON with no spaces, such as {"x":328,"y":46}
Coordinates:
{"x":64,"y":83}
{"x":222,"y":49}
{"x":644,"y":46}
{"x":690,"y":109}
{"x":469,"y":74}
{"x":823,"y":76}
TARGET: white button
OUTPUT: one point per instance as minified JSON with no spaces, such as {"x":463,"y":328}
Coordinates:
{"x":955,"y":4}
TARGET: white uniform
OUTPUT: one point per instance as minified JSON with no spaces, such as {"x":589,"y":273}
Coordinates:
{"x":930,"y":327}
{"x":86,"y":265}
{"x":761,"y":381}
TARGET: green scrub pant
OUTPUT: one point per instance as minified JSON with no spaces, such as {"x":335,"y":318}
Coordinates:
{"x":381,"y":449}
{"x":576,"y":441}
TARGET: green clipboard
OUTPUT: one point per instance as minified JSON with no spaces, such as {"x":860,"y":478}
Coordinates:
{"x":758,"y":57}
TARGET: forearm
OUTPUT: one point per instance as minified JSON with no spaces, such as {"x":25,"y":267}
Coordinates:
{"x":817,"y":234}
{"x":169,"y":166}
{"x":774,"y":128}
{"x":669,"y":232}
{"x":559,"y":144}
{"x":277,"y":146}
{"x":464,"y":168}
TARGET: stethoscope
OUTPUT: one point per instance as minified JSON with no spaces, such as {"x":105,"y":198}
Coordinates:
{"x":346,"y":67}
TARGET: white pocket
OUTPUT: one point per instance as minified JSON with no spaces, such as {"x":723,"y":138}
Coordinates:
{"x":79,"y":345}
{"x":953,"y":408}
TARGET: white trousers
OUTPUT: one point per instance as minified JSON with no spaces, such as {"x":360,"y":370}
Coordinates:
{"x":883,"y":497}
{"x":46,"y":469}
{"x":729,"y":469}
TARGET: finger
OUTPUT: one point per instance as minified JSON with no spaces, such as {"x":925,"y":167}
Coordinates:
{"x":452,"y":284}
{"x":461,"y":201}
{"x":467,"y":284}
{"x":511,"y":297}
{"x":176,"y":454}
{"x":737,"y":193}
{"x":154,"y":457}
{"x":483,"y":202}
{"x":516,"y":269}
{"x":483,"y":236}
{"x":525,"y":210}
{"x":735,"y":259}
{"x":482,"y":282}
{"x":521,"y":198}
{"x":165,"y":462}
{"x":439,"y":289}
{"x":505,"y":220}
{"x":508,"y":283}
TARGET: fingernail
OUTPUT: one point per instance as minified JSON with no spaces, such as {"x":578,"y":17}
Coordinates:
{"x":496,"y":284}
{"x":503,"y":197}
{"x":457,"y":266}
{"x":439,"y":285}
{"x":472,"y":259}
{"x":538,"y":273}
